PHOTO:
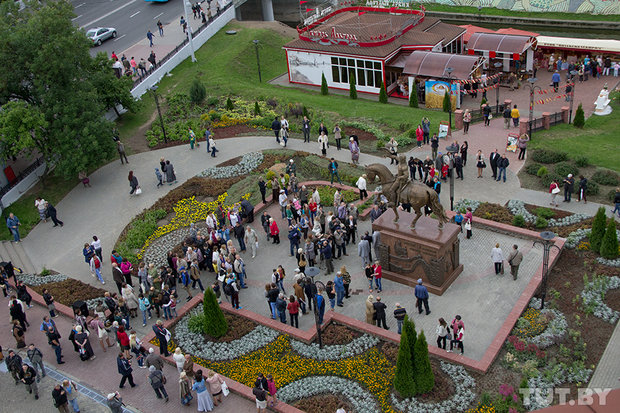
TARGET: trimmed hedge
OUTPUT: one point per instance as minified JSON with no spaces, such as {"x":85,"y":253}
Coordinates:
{"x":565,"y":168}
{"x":548,"y":156}
{"x":532,"y":169}
{"x":605,"y":177}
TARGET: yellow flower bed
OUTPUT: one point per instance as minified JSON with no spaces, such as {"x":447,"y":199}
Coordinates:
{"x":485,"y":408}
{"x":530,"y":324}
{"x":371,"y":369}
{"x":187,"y":211}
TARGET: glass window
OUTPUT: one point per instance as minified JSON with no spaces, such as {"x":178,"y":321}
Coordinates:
{"x":344,"y":77}
{"x":334,"y":60}
{"x":343,"y":61}
{"x":360,"y":63}
{"x":351,"y":62}
{"x":351,"y":72}
{"x":361,"y":78}
{"x":377,"y":66}
{"x":368,"y":65}
{"x":378,"y":79}
{"x":370,"y":81}
{"x":335,"y":74}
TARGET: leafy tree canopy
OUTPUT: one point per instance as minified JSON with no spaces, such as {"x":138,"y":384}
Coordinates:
{"x":53,"y":94}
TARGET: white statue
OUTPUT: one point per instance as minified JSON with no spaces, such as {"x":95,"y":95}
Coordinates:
{"x":602,"y":103}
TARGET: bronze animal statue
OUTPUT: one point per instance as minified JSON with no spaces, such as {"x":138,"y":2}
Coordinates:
{"x":413,"y":193}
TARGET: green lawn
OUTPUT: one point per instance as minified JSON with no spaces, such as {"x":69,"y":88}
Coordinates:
{"x":227,"y":66}
{"x":598,"y":140}
{"x":504,"y":12}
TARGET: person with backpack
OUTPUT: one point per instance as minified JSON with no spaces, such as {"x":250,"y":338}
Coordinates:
{"x":157,"y":381}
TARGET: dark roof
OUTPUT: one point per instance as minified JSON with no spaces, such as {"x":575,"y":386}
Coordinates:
{"x":496,"y":42}
{"x":434,"y":64}
{"x":429,"y":32}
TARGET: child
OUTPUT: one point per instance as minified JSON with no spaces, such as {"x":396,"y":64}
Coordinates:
{"x":458,"y":220}
{"x":160,"y":181}
{"x":272,"y":389}
{"x":173,"y":306}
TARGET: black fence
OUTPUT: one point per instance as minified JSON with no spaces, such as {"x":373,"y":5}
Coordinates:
{"x":159,"y":62}
{"x":554,"y":119}
{"x":21,"y":176}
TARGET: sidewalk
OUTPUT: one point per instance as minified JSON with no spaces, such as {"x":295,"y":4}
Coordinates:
{"x":607,"y":373}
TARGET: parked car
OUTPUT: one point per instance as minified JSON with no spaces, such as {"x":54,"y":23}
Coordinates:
{"x":100,"y":34}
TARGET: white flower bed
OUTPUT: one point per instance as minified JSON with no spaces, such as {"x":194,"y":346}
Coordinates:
{"x":462,"y":399}
{"x":36,"y":280}
{"x":517,"y":207}
{"x":157,"y":252}
{"x":335,"y":352}
{"x":543,"y":384}
{"x":575,"y":237}
{"x":248,"y":163}
{"x":463,"y":204}
{"x":195,"y":344}
{"x":593,"y":293}
{"x":555,"y":330}
{"x":609,"y":263}
{"x":361,"y":400}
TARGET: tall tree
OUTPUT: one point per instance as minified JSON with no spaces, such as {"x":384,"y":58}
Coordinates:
{"x":403,"y":378}
{"x":422,"y":370}
{"x":352,"y":87}
{"x":413,"y":96}
{"x":383,"y":98}
{"x":324,"y":88}
{"x":598,"y":230}
{"x":57,"y":92}
{"x":215,"y":322}
{"x":609,"y":243}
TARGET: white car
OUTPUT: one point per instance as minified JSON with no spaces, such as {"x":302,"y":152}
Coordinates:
{"x":100,"y":34}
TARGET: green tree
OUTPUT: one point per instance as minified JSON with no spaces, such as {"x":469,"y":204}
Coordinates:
{"x":409,"y":325}
{"x":324,"y":88}
{"x":580,"y":118}
{"x":352,"y":88}
{"x":197,"y":92}
{"x":403,"y":378}
{"x":598,"y":230}
{"x":447,"y":104}
{"x":229,"y":104}
{"x":413,"y":96}
{"x":609,"y":245}
{"x":382,"y":93}
{"x":215,"y":322}
{"x":58,"y":92}
{"x":422,"y":370}
{"x":256,"y":109}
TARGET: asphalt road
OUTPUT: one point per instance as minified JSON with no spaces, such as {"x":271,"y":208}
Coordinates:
{"x":131,"y":18}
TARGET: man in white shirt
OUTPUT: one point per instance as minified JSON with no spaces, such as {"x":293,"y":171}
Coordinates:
{"x":361,"y":185}
{"x":283,"y":201}
{"x":41,"y":205}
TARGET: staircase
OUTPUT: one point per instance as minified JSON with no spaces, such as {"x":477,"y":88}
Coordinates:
{"x":14,"y":252}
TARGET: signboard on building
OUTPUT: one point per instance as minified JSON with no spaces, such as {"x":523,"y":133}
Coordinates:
{"x":388,"y":3}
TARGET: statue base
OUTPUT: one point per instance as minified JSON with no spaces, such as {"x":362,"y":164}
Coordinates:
{"x":425,"y":252}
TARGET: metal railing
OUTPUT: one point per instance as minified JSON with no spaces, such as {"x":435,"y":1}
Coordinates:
{"x":554,"y":119}
{"x":478,"y":116}
{"x":159,"y":62}
{"x":21,"y":176}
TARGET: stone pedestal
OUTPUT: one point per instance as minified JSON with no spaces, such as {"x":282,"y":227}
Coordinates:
{"x":425,"y":252}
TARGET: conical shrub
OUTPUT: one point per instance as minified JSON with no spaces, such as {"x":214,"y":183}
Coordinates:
{"x":598,"y":230}
{"x":403,"y":379}
{"x":609,"y":245}
{"x":422,"y":370}
{"x":215,"y":322}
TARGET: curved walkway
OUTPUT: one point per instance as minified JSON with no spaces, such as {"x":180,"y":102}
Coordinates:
{"x":106,"y":208}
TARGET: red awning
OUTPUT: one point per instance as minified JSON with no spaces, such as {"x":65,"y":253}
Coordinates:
{"x":502,"y":43}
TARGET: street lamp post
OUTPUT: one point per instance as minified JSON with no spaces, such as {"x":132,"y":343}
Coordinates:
{"x":496,"y":83}
{"x":449,"y":71}
{"x":161,"y":119}
{"x":257,"y":60}
{"x":572,"y":95}
{"x":189,"y":30}
{"x":532,"y":80}
{"x":547,"y":244}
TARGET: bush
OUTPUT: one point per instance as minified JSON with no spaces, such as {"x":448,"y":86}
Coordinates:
{"x":447,"y":105}
{"x":518,"y":221}
{"x":136,"y":234}
{"x":197,"y":92}
{"x":256,"y":109}
{"x":548,"y":156}
{"x":422,"y":370}
{"x":581,"y":161}
{"x":565,"y":168}
{"x":544,"y":212}
{"x":413,"y":96}
{"x":403,"y":379}
{"x":542,"y":171}
{"x":382,"y":93}
{"x":591,"y":189}
{"x":609,"y":245}
{"x":213,"y":101}
{"x":541,"y":223}
{"x":215,"y":324}
{"x":611,"y":195}
{"x":532,"y":169}
{"x":352,"y":89}
{"x":324,"y":88}
{"x":196,"y":324}
{"x":605,"y":177}
{"x":229,"y":104}
{"x":580,"y":118}
{"x":598,"y":230}
{"x":547,"y":179}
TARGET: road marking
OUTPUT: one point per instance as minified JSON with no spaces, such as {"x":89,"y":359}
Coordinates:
{"x":75,"y":18}
{"x":135,"y":14}
{"x":79,"y":5}
{"x":157,"y":16}
{"x":119,"y":38}
{"x":109,"y":13}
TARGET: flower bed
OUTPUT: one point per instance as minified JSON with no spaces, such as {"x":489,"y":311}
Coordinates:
{"x":249,"y":162}
{"x":517,"y":207}
{"x":359,"y":371}
{"x":593,"y":297}
{"x":338,"y":334}
{"x":70,"y":290}
{"x":33,"y":280}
